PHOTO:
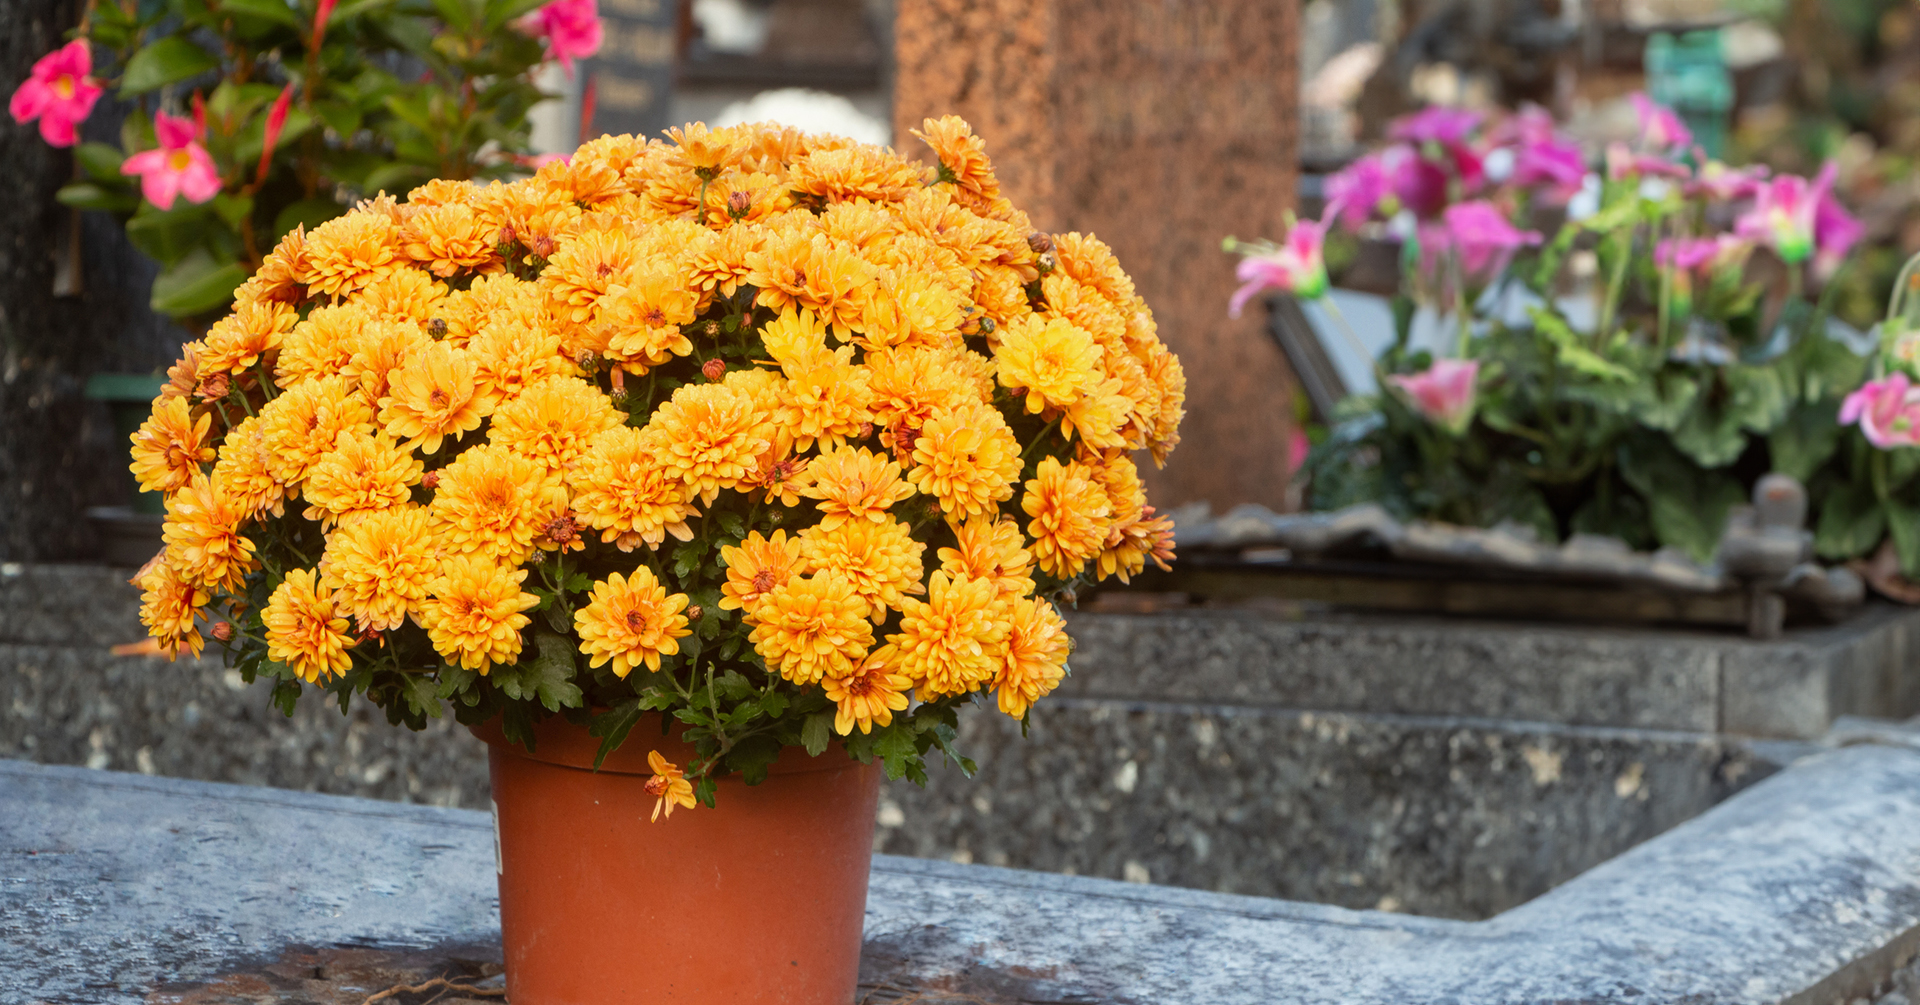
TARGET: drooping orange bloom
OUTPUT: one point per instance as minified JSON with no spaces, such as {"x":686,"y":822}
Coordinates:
{"x":669,"y":785}
{"x":304,"y":630}
{"x":631,"y":621}
{"x":168,"y":606}
{"x":170,"y":446}
{"x":1035,"y":657}
{"x":963,"y":156}
{"x":1070,"y":516}
{"x":869,"y":695}
{"x":473,"y":612}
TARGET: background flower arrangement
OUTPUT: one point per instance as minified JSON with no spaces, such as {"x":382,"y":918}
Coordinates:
{"x":769,"y":432}
{"x":250,"y":118}
{"x":1699,"y":363}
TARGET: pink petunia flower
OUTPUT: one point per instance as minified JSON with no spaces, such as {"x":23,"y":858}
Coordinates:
{"x":571,"y":28}
{"x":58,"y":92}
{"x":1785,"y":214}
{"x":1296,"y":266}
{"x":1556,"y":167}
{"x":1887,"y":410}
{"x":1484,"y":238}
{"x":1661,"y":128}
{"x":180,"y":166}
{"x":1444,"y":393}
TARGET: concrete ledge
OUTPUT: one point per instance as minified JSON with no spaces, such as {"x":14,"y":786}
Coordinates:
{"x":1803,"y":888}
{"x":1641,"y":678}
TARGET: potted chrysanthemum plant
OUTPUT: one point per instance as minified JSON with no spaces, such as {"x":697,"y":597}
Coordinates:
{"x":671,"y":469}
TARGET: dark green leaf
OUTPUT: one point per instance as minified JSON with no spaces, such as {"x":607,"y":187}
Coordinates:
{"x":895,"y":745}
{"x":233,"y":210}
{"x":814,"y":735}
{"x":195,"y":285}
{"x":1903,"y":523}
{"x":100,"y":161}
{"x":753,"y":756}
{"x":86,"y":195}
{"x":547,"y":677}
{"x":1805,"y":439}
{"x":1851,"y":523}
{"x":310,"y":212}
{"x":1686,"y":505}
{"x":286,"y":695}
{"x":266,"y":10}
{"x":455,"y":680}
{"x":422,"y":694}
{"x":169,"y":60}
{"x":612,"y":726}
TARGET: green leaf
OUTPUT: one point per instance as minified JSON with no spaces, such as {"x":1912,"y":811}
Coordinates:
{"x":1851,"y":523}
{"x":286,"y":695}
{"x":815,"y":734}
{"x":266,"y":10}
{"x":455,"y":680}
{"x":1665,"y":400}
{"x":195,"y":285}
{"x":612,"y":726}
{"x":1903,"y":523}
{"x":548,"y":677}
{"x":774,"y":704}
{"x":86,"y":195}
{"x":422,"y":694}
{"x":1686,"y":505}
{"x":1571,"y":350}
{"x":233,"y":210}
{"x":1713,"y":438}
{"x":1805,"y":439}
{"x":100,"y":161}
{"x":169,"y":60}
{"x":753,"y":756}
{"x":310,"y":212}
{"x":1760,"y":398}
{"x":896,"y":748}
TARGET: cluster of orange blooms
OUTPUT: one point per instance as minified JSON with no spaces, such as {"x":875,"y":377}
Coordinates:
{"x":414,"y":404}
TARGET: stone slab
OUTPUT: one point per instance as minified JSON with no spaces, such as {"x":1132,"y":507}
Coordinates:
{"x":1803,"y":888}
{"x":1161,"y":127}
{"x":1641,"y":678}
{"x":1455,"y":818}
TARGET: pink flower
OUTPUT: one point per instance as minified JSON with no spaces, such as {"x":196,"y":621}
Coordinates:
{"x":1888,"y":412}
{"x":1445,"y":393}
{"x":1484,"y":238}
{"x":1421,"y":185}
{"x":1556,"y":166}
{"x":1623,"y":163}
{"x":1531,"y":124}
{"x":571,"y":28}
{"x":1835,"y":232}
{"x":1661,"y":129}
{"x":1355,"y":191}
{"x":1295,"y":267}
{"x":1785,"y":212}
{"x":1697,"y":258}
{"x":1726,"y":184}
{"x":180,"y":166}
{"x":1445,"y":126}
{"x":59,"y":93}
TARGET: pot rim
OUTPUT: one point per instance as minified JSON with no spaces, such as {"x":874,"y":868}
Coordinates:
{"x":559,"y":742}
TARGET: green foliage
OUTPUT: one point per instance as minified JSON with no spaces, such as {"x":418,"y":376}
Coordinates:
{"x":355,"y":128}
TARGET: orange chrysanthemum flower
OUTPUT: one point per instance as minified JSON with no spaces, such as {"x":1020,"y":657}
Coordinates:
{"x":646,"y":315}
{"x":554,"y":421}
{"x":720,"y":264}
{"x":365,"y":472}
{"x":349,"y":252}
{"x":515,"y":353}
{"x":953,"y":641}
{"x":168,"y":607}
{"x":202,"y":532}
{"x":756,"y":567}
{"x":493,"y":502}
{"x":1091,"y":263}
{"x":170,"y":446}
{"x":403,"y":294}
{"x":967,"y":458}
{"x":302,"y":424}
{"x":320,"y":346}
{"x":631,"y":621}
{"x":669,"y":785}
{"x":621,"y":490}
{"x":854,"y":483}
{"x":282,"y":276}
{"x":1049,"y":359}
{"x":434,"y":395}
{"x":881,"y":560}
{"x":379,"y":566}
{"x":1070,"y":514}
{"x":304,"y":630}
{"x":465,"y":312}
{"x":237,"y":342}
{"x":811,"y":627}
{"x":450,"y":238}
{"x":869,"y":695}
{"x":963,"y":156}
{"x":585,"y":268}
{"x":814,"y":272}
{"x":990,"y":547}
{"x":1035,"y":658}
{"x":242,"y":471}
{"x":708,"y":436}
{"x":473,"y":612}
{"x":379,"y":349}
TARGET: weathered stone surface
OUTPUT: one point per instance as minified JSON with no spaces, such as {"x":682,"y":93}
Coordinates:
{"x":1641,"y":678}
{"x":1162,"y":128}
{"x":1446,"y":817}
{"x":1801,"y":889}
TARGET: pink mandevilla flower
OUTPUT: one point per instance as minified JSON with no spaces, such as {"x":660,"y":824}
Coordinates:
{"x":1295,"y":267}
{"x":1785,"y":212}
{"x":1444,"y":393}
{"x":180,"y":166}
{"x":571,"y":28}
{"x":1888,"y":411}
{"x":1661,"y":128}
{"x":58,"y":92}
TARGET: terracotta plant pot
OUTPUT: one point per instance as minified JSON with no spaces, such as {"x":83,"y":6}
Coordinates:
{"x":759,"y":899}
